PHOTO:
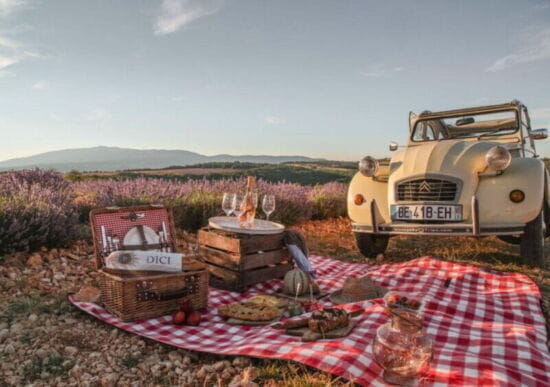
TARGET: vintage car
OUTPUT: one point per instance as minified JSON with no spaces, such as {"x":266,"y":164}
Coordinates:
{"x":471,"y":172}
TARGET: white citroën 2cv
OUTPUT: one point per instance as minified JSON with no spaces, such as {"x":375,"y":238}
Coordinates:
{"x":471,"y":172}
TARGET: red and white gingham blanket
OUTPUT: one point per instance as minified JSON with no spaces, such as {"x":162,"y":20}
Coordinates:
{"x":487,"y":326}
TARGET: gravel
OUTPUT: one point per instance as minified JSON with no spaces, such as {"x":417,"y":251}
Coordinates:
{"x":45,"y":341}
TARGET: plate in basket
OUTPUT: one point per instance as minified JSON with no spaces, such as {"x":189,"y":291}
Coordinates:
{"x":260,"y":227}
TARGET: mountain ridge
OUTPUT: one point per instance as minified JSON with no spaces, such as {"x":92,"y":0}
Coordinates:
{"x":105,"y":158}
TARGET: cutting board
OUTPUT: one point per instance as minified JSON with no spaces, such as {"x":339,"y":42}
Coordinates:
{"x":307,"y":335}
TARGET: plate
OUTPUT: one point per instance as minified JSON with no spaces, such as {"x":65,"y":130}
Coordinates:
{"x":260,"y":227}
{"x":132,"y":237}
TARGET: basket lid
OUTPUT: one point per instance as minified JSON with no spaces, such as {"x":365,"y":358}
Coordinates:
{"x":110,"y":226}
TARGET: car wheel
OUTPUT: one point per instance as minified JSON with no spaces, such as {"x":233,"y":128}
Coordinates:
{"x":371,"y":245}
{"x":532,"y":240}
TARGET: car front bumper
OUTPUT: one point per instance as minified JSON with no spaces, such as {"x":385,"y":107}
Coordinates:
{"x":465,"y":229}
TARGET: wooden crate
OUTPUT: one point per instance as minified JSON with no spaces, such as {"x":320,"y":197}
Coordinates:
{"x":237,"y":261}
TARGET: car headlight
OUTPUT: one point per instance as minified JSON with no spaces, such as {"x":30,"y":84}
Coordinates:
{"x":498,"y":158}
{"x":368,"y":166}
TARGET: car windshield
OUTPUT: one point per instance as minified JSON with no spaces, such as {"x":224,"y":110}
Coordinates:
{"x":475,"y":125}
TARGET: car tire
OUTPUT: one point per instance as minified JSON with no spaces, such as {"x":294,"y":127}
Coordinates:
{"x":532,"y":240}
{"x":371,"y":245}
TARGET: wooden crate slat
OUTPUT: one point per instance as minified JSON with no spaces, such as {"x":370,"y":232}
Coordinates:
{"x":253,"y":277}
{"x":219,"y":240}
{"x":254,"y":243}
{"x":231,"y":261}
{"x":223,"y":273}
{"x":272,"y":257}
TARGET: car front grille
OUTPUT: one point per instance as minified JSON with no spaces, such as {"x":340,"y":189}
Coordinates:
{"x":429,"y":190}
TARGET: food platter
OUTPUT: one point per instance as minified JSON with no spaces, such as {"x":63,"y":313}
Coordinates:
{"x":260,"y":226}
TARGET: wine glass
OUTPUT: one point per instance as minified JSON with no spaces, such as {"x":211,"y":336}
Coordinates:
{"x":228,"y":203}
{"x":268,"y":205}
{"x":237,"y":201}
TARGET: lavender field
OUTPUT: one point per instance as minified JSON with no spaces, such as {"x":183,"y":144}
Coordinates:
{"x":40,"y":208}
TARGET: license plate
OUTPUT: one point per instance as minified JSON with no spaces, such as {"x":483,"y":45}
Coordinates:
{"x":426,"y":212}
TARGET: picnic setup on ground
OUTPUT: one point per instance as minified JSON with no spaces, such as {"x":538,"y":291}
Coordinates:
{"x":251,"y":287}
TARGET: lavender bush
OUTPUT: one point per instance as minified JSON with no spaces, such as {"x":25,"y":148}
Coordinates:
{"x":40,"y":208}
{"x":195,"y":201}
{"x":35,"y":210}
{"x":328,"y":200}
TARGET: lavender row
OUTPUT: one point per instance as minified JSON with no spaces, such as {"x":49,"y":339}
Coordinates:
{"x":40,"y":208}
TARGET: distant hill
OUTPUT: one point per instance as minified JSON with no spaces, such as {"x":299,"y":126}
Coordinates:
{"x":104,"y":158}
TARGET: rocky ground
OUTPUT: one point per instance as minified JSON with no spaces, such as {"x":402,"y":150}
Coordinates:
{"x":46,"y":341}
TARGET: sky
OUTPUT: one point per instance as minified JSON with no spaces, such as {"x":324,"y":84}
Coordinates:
{"x":333,"y":79}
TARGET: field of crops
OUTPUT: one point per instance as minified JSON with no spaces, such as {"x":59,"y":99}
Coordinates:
{"x":42,"y":208}
{"x":306,"y":173}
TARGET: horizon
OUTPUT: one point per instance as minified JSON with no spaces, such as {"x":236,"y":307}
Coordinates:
{"x":315,"y":79}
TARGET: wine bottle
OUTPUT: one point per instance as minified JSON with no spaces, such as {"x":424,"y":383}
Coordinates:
{"x":248,"y":205}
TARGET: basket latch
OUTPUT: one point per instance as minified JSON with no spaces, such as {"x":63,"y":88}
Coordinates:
{"x":144,"y":292}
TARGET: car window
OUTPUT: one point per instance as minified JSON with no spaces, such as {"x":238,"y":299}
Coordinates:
{"x":476,"y":125}
{"x":425,"y":132}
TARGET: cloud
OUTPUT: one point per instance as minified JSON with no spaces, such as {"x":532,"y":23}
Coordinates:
{"x":175,"y":14}
{"x":13,"y":52}
{"x":6,"y":61}
{"x":8,"y":43}
{"x":7,"y":7}
{"x":40,"y":85}
{"x":380,"y":70}
{"x":273,"y":120}
{"x":533,"y":45}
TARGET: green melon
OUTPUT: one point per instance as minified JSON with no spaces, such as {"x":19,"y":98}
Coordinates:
{"x":296,"y":282}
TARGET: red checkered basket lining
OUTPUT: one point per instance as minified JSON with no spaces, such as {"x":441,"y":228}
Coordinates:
{"x":118,"y":223}
{"x":487,"y":326}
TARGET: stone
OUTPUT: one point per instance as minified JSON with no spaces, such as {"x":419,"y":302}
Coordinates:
{"x":10,"y":349}
{"x":41,"y":353}
{"x":88,"y":293}
{"x":241,"y":362}
{"x":71,"y":351}
{"x":58,"y":277}
{"x":109,"y":380}
{"x":201,"y":374}
{"x":4,"y":333}
{"x":174,"y":356}
{"x":32,"y":317}
{"x":219,"y":366}
{"x":35,"y":260}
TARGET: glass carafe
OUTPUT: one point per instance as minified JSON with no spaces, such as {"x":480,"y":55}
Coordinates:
{"x":402,"y":348}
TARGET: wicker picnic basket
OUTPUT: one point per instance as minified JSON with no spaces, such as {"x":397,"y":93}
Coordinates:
{"x":138,"y":295}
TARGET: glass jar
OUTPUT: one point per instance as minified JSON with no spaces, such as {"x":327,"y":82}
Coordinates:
{"x":402,"y":348}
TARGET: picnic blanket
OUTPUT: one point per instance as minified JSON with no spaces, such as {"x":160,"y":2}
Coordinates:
{"x":487,"y":326}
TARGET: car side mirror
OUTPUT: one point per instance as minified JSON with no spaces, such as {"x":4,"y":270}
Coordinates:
{"x":393,"y":146}
{"x":539,"y":134}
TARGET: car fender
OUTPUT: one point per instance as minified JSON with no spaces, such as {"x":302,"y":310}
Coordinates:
{"x":371,"y":189}
{"x":493,"y":192}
